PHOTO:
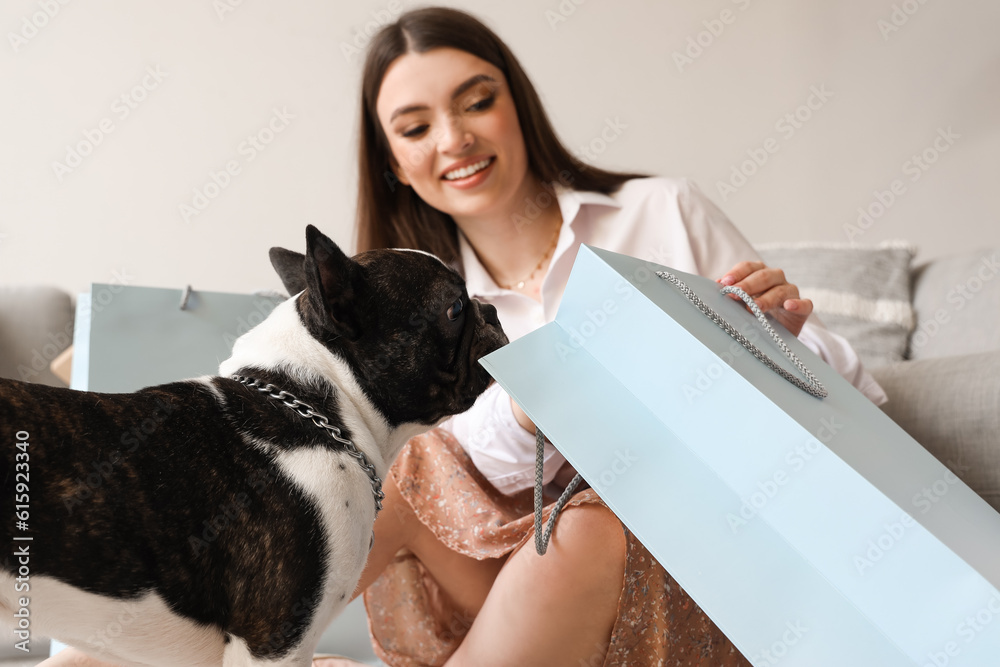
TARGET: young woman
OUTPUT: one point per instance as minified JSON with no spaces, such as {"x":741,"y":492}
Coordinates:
{"x":458,"y":158}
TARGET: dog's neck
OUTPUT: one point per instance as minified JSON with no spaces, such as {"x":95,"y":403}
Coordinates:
{"x":283,"y":344}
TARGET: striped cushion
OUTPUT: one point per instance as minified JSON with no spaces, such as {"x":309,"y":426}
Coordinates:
{"x":859,"y":292}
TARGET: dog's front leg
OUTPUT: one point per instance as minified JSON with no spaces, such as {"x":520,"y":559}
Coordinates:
{"x":238,"y":654}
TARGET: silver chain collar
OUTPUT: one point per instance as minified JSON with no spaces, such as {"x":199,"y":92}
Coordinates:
{"x":306,"y":411}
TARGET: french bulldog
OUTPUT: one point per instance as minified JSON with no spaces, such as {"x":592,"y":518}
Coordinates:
{"x":228,"y":518}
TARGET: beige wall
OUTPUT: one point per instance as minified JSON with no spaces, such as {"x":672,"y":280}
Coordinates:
{"x":199,"y":77}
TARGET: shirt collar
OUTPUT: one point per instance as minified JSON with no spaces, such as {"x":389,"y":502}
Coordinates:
{"x":478,"y":281}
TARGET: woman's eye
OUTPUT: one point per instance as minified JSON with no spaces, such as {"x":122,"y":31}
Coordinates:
{"x":415,"y":132}
{"x":482,"y":104}
{"x":455,"y":310}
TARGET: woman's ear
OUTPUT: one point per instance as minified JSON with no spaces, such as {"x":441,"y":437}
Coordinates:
{"x":397,"y":171}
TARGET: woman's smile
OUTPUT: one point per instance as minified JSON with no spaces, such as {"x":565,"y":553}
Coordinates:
{"x":470,"y":176}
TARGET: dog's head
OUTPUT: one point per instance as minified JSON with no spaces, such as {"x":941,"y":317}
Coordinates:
{"x":401,"y":319}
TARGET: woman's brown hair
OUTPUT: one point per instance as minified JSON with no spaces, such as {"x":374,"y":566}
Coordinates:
{"x":392,"y":215}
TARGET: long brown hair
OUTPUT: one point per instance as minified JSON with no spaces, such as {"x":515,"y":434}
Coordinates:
{"x":392,"y":215}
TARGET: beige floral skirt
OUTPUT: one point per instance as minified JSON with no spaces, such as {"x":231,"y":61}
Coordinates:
{"x":658,"y":623}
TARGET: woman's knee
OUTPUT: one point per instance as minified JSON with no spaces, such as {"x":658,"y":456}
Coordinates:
{"x":592,"y":537}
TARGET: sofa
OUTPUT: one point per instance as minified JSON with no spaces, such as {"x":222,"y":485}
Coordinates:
{"x":929,"y":333}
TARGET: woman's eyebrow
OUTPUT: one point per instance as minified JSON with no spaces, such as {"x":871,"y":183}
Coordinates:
{"x":461,"y":88}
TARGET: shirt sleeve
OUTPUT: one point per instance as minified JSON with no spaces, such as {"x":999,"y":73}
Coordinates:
{"x":500,"y":448}
{"x":718,"y":246}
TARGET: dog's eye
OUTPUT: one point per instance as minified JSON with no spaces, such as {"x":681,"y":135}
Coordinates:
{"x":456,"y":309}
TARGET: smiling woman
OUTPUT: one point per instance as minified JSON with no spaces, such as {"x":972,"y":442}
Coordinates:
{"x":458,"y":158}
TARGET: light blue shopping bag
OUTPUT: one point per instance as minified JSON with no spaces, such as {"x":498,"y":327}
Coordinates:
{"x":128,"y":337}
{"x":813,"y":531}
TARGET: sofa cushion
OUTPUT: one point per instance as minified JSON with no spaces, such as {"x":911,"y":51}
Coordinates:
{"x":36,"y":325}
{"x":957,"y":301}
{"x":951,"y":406}
{"x":859,"y":292}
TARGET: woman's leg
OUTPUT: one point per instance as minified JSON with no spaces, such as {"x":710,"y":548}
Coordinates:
{"x":556,"y":609}
{"x":465,"y":581}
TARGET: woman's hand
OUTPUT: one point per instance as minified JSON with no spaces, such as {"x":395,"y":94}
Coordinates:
{"x":522,"y":418}
{"x":772,"y":293}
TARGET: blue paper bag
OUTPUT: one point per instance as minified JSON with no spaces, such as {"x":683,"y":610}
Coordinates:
{"x":812,"y":531}
{"x":130,"y":337}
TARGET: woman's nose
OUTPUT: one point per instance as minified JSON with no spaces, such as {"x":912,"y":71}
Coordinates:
{"x":454,"y":137}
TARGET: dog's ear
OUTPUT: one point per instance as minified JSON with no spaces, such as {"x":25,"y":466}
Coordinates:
{"x":331,"y":278}
{"x":289,"y":266}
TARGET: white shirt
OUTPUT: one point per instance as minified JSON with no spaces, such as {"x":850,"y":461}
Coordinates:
{"x":668,"y":221}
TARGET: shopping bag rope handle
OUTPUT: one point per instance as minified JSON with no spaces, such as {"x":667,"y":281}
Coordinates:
{"x":542,"y":537}
{"x":814,"y":387}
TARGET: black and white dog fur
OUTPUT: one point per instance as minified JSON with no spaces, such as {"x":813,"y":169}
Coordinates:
{"x":202,"y":523}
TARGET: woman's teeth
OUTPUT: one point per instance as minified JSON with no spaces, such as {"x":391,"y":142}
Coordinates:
{"x":465,"y":172}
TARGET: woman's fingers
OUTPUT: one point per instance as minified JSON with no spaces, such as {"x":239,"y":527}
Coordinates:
{"x":739,"y":272}
{"x":801,"y":307}
{"x":771,"y":291}
{"x":761,"y":280}
{"x":776,"y":297}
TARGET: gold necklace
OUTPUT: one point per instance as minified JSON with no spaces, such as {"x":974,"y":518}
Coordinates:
{"x":519,"y":284}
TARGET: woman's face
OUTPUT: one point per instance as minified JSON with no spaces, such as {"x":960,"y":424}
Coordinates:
{"x":445,"y":110}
